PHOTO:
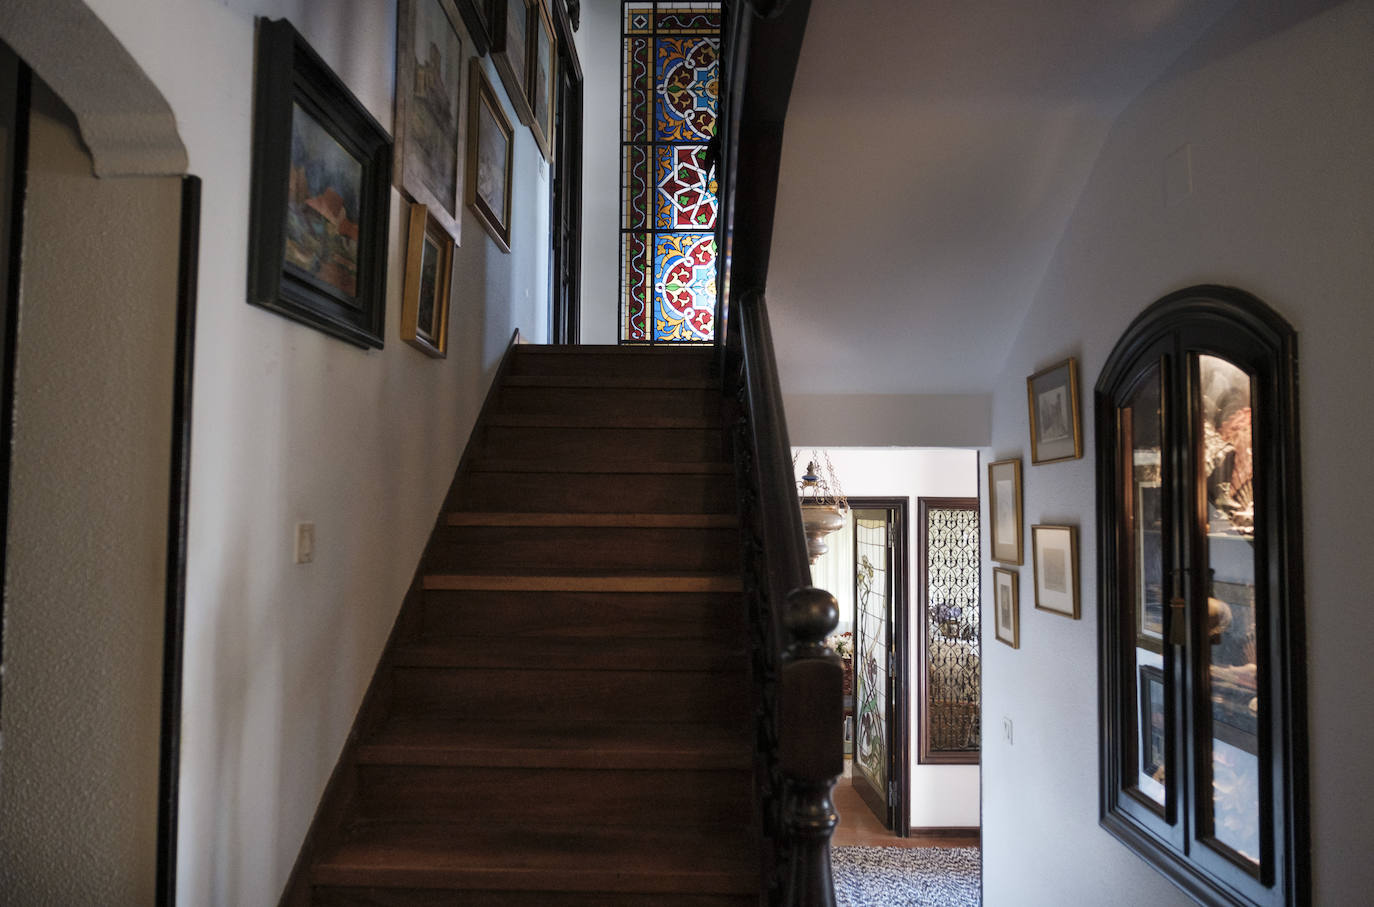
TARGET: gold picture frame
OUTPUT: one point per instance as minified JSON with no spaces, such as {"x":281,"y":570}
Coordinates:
{"x":510,"y":51}
{"x":491,"y":146}
{"x":1052,"y":398}
{"x":1054,"y":553}
{"x":429,"y":275}
{"x":1004,"y":510}
{"x":543,"y":76}
{"x":1006,"y":606}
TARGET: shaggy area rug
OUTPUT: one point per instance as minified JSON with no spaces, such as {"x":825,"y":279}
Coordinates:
{"x":891,"y":876}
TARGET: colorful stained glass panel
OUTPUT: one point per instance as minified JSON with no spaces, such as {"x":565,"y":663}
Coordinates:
{"x":684,"y":286}
{"x":686,"y":193}
{"x":637,"y":289}
{"x":688,"y":81}
{"x":638,"y":201}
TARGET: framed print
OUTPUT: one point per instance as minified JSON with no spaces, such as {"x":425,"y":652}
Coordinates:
{"x":321,"y":189}
{"x":510,"y":42}
{"x":490,"y":141}
{"x":429,"y":268}
{"x":1004,"y":509}
{"x":480,"y":17}
{"x":1053,"y":398}
{"x":431,"y":53}
{"x":1055,"y":557}
{"x":1149,"y":554}
{"x":1152,"y":723}
{"x":543,"y":54}
{"x":1007,"y":606}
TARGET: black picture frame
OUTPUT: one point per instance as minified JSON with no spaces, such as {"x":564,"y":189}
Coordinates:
{"x":480,"y":17}
{"x":1152,"y":740}
{"x":316,"y":153}
{"x":510,"y":51}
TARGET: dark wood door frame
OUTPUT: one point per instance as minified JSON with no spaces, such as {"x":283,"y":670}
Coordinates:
{"x":898,"y":810}
{"x":566,"y":218}
{"x":922,"y":618}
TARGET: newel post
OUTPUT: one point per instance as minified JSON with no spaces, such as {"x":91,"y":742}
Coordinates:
{"x":811,"y":744}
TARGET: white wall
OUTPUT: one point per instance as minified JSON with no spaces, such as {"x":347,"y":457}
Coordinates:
{"x":599,"y":49}
{"x":942,"y":796}
{"x":1280,"y":121}
{"x":292,"y":425}
{"x":87,"y":527}
{"x":891,"y":420}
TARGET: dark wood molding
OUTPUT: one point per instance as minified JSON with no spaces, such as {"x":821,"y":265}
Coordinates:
{"x":178,"y":509}
{"x":926,"y":756}
{"x":566,"y":261}
{"x":945,"y":831}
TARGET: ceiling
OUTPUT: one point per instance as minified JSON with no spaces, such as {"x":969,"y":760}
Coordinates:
{"x":933,"y":154}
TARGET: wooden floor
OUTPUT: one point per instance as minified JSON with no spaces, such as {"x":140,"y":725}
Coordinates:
{"x":859,"y":827}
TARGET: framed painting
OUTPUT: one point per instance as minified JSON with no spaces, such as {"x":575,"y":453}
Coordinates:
{"x":480,"y":17}
{"x":1004,"y":509}
{"x":1007,"y":605}
{"x":1152,"y":723}
{"x":543,"y":71}
{"x":510,"y":43}
{"x":490,"y":146}
{"x":431,"y":50}
{"x":429,"y":269}
{"x":1055,"y":556}
{"x":1052,"y":395}
{"x":320,"y":199}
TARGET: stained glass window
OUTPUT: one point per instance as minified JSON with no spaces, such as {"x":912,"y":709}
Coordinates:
{"x":670,"y":85}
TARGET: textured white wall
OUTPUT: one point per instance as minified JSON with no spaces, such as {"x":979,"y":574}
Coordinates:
{"x":1279,"y":114}
{"x":292,"y":425}
{"x":87,"y":528}
{"x":895,"y":420}
{"x":942,"y":796}
{"x":598,"y":47}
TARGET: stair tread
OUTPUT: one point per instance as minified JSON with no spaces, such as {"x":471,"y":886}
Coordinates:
{"x":592,"y":350}
{"x":563,"y":653}
{"x":593,"y":420}
{"x":611,"y":381}
{"x":549,"y":463}
{"x":575,"y":519}
{"x":589,"y":581}
{"x":585,"y":858}
{"x":443,"y":740}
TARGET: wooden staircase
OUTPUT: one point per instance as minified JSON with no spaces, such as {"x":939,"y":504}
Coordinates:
{"x":562,"y":715}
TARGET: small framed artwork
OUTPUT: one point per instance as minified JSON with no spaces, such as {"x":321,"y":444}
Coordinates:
{"x":1053,"y":398}
{"x":543,"y":52}
{"x":1004,"y":508}
{"x":321,"y":193}
{"x":429,"y":268}
{"x":481,"y":17}
{"x":510,"y":51}
{"x":1006,"y":597}
{"x":490,"y":141}
{"x":431,"y":50}
{"x":1055,"y":557}
{"x":1152,"y":723}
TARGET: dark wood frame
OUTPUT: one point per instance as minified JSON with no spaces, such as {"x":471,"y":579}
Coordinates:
{"x":1015,"y":579}
{"x":448,"y":212}
{"x":290,"y":73}
{"x":1149,"y":674}
{"x":1075,"y":418}
{"x":566,"y":262}
{"x":994,"y":542}
{"x":1074,"y":590}
{"x":423,"y":226}
{"x":543,"y":132}
{"x":897,"y":813}
{"x":480,"y":16}
{"x":514,"y":77}
{"x":497,"y":224}
{"x":1223,"y":321}
{"x":928,"y":756}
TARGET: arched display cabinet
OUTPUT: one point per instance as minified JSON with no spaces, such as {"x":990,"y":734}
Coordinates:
{"x":1203,"y":750}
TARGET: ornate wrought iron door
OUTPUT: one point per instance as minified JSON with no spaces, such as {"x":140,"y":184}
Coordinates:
{"x":950,"y":671}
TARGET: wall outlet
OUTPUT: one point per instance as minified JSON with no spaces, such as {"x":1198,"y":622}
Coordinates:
{"x":1006,"y":730}
{"x":305,"y":543}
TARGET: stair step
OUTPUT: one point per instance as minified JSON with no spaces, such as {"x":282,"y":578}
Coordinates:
{"x":546,"y":492}
{"x":587,"y":582}
{"x":601,"y":445}
{"x":573,"y":695}
{"x":544,"y":797}
{"x":441,"y":740}
{"x":612,"y":361}
{"x":611,"y":405}
{"x":561,"y":653}
{"x":646,"y":467}
{"x":613,"y":381}
{"x":490,"y":548}
{"x":676,"y":615}
{"x":580,"y":858}
{"x":629,"y":520}
{"x":423,"y":897}
{"x":598,"y":420}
